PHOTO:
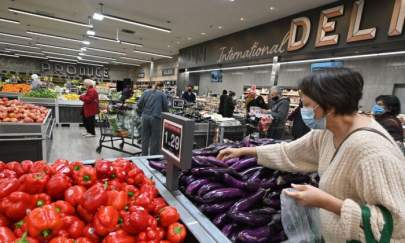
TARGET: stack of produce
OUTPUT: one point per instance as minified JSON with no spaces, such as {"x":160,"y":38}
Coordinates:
{"x":239,"y":196}
{"x":71,"y":202}
{"x":42,"y":93}
{"x":16,"y":88}
{"x":17,"y":111}
{"x":71,"y":96}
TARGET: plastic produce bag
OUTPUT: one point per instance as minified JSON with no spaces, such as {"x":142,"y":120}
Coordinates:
{"x":301,"y":224}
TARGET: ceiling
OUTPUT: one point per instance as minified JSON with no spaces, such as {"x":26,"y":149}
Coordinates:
{"x":191,"y":22}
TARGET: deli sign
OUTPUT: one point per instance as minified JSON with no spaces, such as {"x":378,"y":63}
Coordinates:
{"x":343,"y":27}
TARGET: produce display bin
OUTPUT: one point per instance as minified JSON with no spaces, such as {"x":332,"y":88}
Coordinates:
{"x":22,"y":141}
{"x":70,"y":112}
{"x":10,"y":95}
{"x":204,"y":133}
{"x":45,"y":102}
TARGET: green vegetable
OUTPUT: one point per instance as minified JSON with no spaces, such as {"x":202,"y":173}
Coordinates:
{"x":42,"y":93}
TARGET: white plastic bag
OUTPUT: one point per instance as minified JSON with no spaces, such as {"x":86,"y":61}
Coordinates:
{"x":301,"y":224}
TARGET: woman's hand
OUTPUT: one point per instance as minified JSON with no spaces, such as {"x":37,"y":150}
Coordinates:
{"x":229,"y":153}
{"x":310,"y":196}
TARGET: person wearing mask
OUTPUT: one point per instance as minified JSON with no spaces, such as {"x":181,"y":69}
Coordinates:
{"x":36,"y":82}
{"x":126,"y":93}
{"x":222,"y":99}
{"x":229,"y":105}
{"x":188,"y":95}
{"x":90,"y":108}
{"x":362,"y":171}
{"x":385,"y":111}
{"x":299,"y":128}
{"x":279,"y":111}
{"x":150,"y":107}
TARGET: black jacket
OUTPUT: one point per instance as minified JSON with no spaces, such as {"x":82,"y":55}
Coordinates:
{"x":189,"y":97}
{"x":392,"y":125}
{"x":279,"y":111}
{"x":229,"y":107}
{"x":299,"y":128}
{"x":222,"y":99}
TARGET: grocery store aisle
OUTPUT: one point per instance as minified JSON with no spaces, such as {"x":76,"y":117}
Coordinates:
{"x":69,"y":144}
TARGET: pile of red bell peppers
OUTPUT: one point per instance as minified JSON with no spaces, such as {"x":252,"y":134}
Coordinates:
{"x":63,"y":202}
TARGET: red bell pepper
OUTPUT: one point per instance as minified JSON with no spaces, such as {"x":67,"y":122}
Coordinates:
{"x":15,"y":205}
{"x":151,"y":189}
{"x":132,"y":192}
{"x":4,"y":221}
{"x":104,"y":169}
{"x":105,"y":220}
{"x":62,"y":239}
{"x":20,"y":227}
{"x":41,"y":199}
{"x":64,"y":208}
{"x":117,"y":199}
{"x":57,"y":185}
{"x":115,"y":185}
{"x":86,"y":176}
{"x":74,"y":194}
{"x":61,"y":167}
{"x":73,"y":226}
{"x":136,"y":220}
{"x":176,"y":233}
{"x":84,"y":214}
{"x":119,"y":173}
{"x":168,"y":215}
{"x":94,"y":197}
{"x":119,"y":236}
{"x":150,"y":235}
{"x":40,"y":167}
{"x":15,"y":166}
{"x":8,"y":174}
{"x":2,"y":165}
{"x":26,"y":239}
{"x":6,"y":235}
{"x":83,"y":240}
{"x":127,"y":165}
{"x":7,"y":186}
{"x":75,"y":167}
{"x":26,"y":166}
{"x":135,"y":176}
{"x":144,"y":200}
{"x":157,"y":204}
{"x":44,"y":223}
{"x":33,"y":183}
{"x":90,"y":233}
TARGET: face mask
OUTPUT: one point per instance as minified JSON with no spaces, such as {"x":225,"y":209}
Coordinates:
{"x":308,"y":116}
{"x":275,"y":98}
{"x":378,"y":110}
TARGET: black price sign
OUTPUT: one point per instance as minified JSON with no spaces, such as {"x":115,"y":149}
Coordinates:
{"x":172,"y":139}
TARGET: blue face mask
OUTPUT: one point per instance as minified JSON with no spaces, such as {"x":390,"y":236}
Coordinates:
{"x":308,"y":116}
{"x":378,"y":110}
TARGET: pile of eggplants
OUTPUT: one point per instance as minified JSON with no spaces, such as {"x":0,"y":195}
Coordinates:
{"x":241,"y":197}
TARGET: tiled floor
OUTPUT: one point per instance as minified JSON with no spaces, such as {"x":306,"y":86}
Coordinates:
{"x":69,"y":144}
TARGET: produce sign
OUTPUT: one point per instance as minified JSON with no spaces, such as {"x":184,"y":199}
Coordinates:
{"x":71,"y":202}
{"x":172,"y":138}
{"x":240,"y":197}
{"x":17,"y":111}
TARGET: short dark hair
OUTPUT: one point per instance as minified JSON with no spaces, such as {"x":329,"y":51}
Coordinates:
{"x":224,"y":92}
{"x":391,"y":103}
{"x":338,"y":88}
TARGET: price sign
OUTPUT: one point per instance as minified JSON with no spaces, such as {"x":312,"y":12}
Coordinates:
{"x":172,"y":139}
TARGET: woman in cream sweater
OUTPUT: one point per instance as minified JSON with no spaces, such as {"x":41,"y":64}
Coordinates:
{"x":357,"y":160}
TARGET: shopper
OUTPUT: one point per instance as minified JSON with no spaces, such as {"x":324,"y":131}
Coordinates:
{"x":229,"y":105}
{"x":150,"y":107}
{"x":36,"y":82}
{"x":126,"y":93}
{"x":222,"y":99}
{"x":359,"y":165}
{"x":299,"y":128}
{"x":188,"y":95}
{"x":90,"y":108}
{"x":279,"y":111}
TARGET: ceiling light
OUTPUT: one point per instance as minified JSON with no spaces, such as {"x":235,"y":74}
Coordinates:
{"x":91,"y":64}
{"x":58,"y":37}
{"x":16,"y":36}
{"x":87,"y":55}
{"x":135,"y":59}
{"x":80,"y":58}
{"x":152,"y":54}
{"x":49,"y":17}
{"x":203,"y":33}
{"x":83,"y":49}
{"x":242,"y":19}
{"x":9,"y":21}
{"x":272,"y":8}
{"x":220,"y":27}
{"x":125,"y":63}
{"x":60,"y":54}
{"x":8,"y":55}
{"x":128,"y":21}
{"x":107,"y":51}
{"x":57,"y":47}
{"x":104,"y":38}
{"x":74,"y":63}
{"x":98,"y":16}
{"x":23,"y":55}
{"x":231,"y":0}
{"x":90,"y":32}
{"x":14,"y":44}
{"x":131,"y":44}
{"x":188,"y":38}
{"x":63,"y":59}
{"x":169,"y":46}
{"x":30,"y":52}
{"x":87,"y":60}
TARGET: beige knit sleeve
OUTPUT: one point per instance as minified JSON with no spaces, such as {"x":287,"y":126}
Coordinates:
{"x":300,"y":155}
{"x":379,"y":180}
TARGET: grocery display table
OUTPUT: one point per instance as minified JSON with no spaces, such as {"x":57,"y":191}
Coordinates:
{"x":22,"y":141}
{"x":10,"y":96}
{"x":70,"y":111}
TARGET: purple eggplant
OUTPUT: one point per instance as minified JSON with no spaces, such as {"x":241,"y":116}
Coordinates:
{"x":220,"y":220}
{"x":268,"y":183}
{"x":248,"y":172}
{"x":195,"y":185}
{"x":232,"y":161}
{"x":214,"y":161}
{"x":246,"y":204}
{"x":250,"y":185}
{"x":255,"y":235}
{"x":273,"y":203}
{"x":222,"y":194}
{"x":158,"y":165}
{"x":228,"y":229}
{"x":209,"y":187}
{"x":216,"y":208}
{"x":244,"y":164}
{"x":199,"y":162}
{"x":214,"y":172}
{"x":265,"y":211}
{"x":186,"y":180}
{"x":250,"y":219}
{"x":275,"y":224}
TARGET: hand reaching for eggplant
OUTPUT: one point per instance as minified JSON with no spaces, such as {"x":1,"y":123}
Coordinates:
{"x":230,"y":153}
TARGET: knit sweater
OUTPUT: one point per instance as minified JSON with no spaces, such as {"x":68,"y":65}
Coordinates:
{"x":368,"y":169}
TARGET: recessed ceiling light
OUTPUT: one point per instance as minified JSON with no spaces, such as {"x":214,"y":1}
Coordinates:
{"x":80,"y":58}
{"x":107,"y":51}
{"x":231,"y":0}
{"x":9,"y":21}
{"x":242,"y":19}
{"x":220,"y":27}
{"x":188,"y":38}
{"x":203,"y":33}
{"x":91,"y":32}
{"x":98,"y":16}
{"x":86,"y":42}
{"x":57,"y":47}
{"x":129,"y":21}
{"x":169,"y":46}
{"x":272,"y":8}
{"x":83,"y":49}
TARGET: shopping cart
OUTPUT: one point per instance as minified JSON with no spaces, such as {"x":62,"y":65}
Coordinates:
{"x":119,"y":124}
